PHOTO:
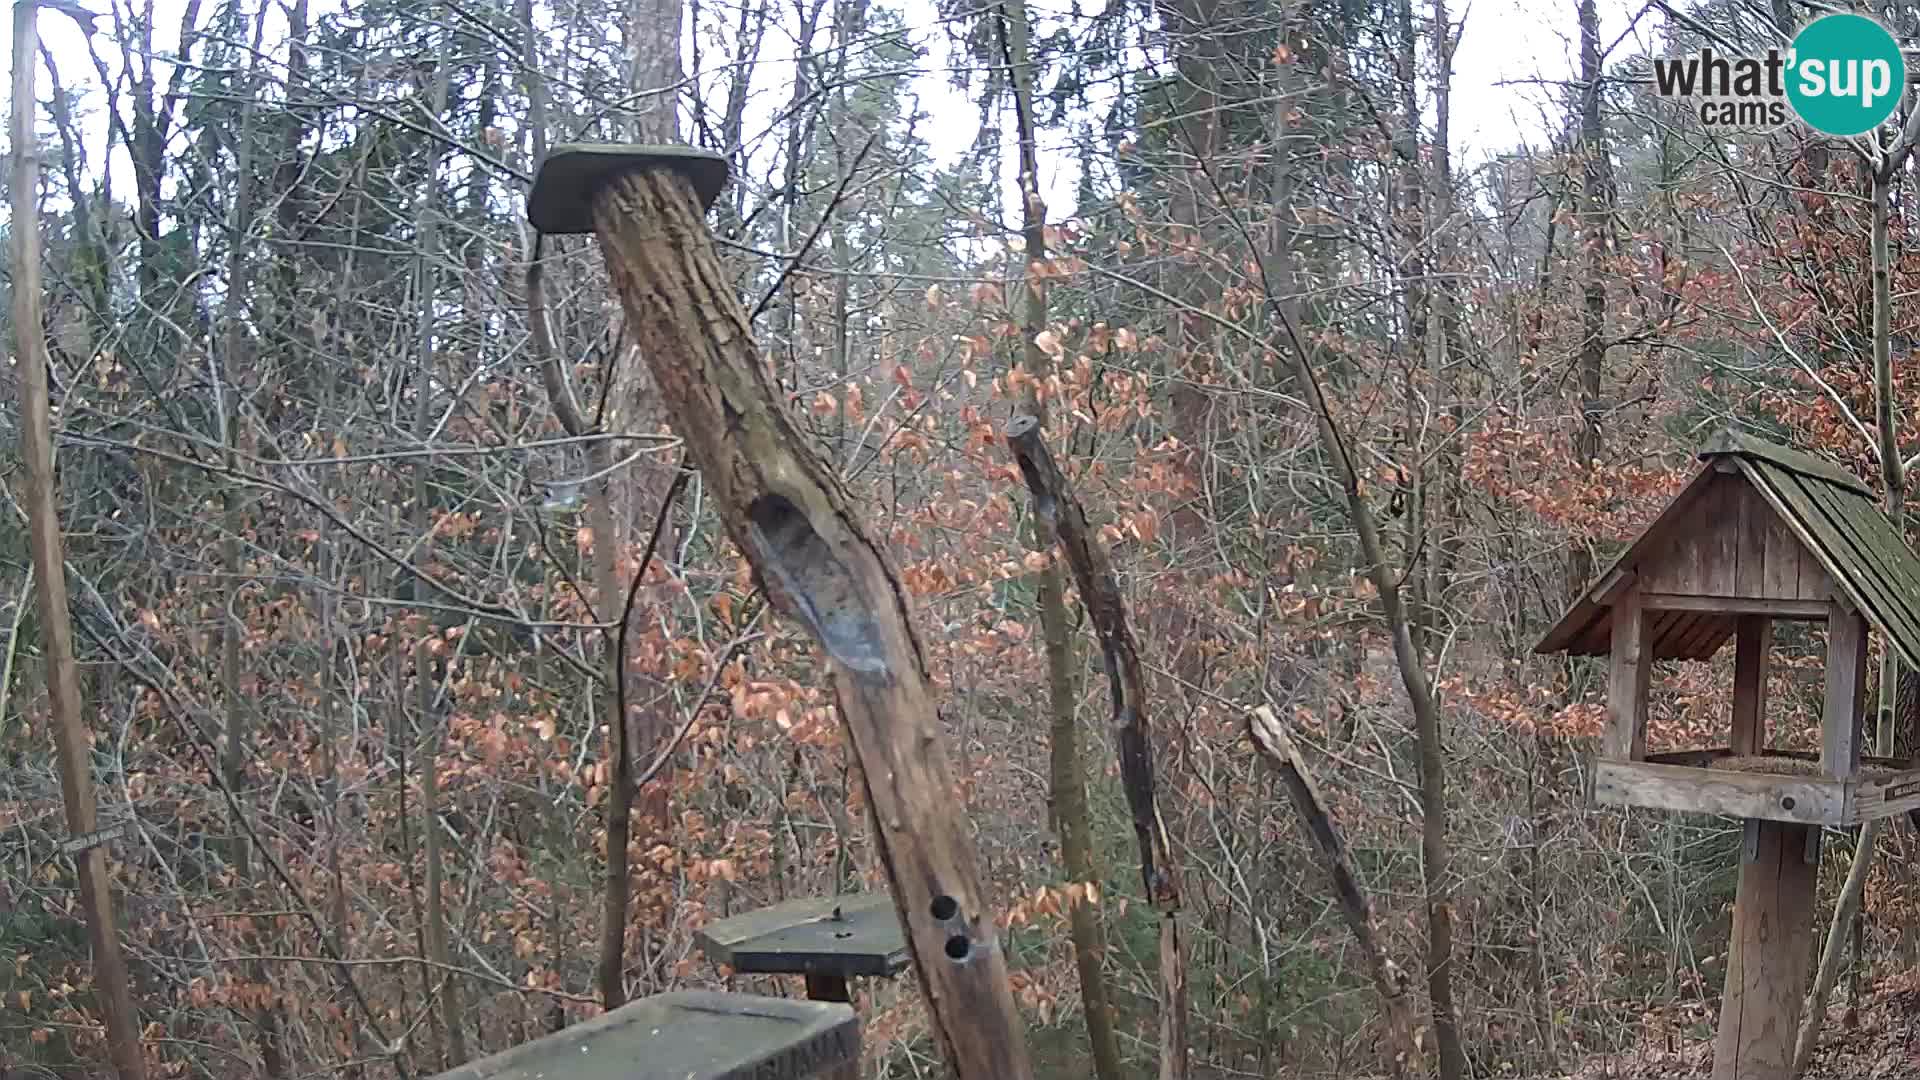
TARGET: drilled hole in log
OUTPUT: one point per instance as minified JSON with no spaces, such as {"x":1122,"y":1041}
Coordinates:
{"x":958,"y":947}
{"x":945,"y":907}
{"x":823,"y":590}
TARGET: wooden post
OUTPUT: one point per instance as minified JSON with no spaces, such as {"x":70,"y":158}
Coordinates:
{"x":1630,"y":666}
{"x":819,"y":565}
{"x":1767,"y":962}
{"x":1753,"y":636}
{"x":1840,"y":728}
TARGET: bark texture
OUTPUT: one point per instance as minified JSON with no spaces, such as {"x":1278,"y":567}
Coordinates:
{"x":820,"y":565}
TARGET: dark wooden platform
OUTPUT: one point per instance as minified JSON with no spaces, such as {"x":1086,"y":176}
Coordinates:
{"x":804,"y":937}
{"x":692,"y":1035}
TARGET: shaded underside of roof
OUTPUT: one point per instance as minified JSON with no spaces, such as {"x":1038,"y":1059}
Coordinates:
{"x":1831,"y":513}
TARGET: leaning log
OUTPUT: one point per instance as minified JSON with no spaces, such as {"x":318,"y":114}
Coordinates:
{"x":1060,"y":512}
{"x":815,"y":557}
{"x":1271,"y":740}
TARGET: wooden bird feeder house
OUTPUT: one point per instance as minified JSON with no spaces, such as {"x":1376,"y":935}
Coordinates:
{"x":829,"y":940}
{"x":1761,"y":534}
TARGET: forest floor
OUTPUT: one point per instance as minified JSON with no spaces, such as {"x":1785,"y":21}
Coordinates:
{"x":1880,"y":1042}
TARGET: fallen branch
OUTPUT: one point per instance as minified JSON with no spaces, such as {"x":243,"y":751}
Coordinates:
{"x":1270,"y":738}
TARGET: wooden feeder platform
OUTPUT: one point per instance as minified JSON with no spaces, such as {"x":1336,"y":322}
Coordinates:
{"x":827,"y":939}
{"x":1777,"y":785}
{"x":692,"y":1035}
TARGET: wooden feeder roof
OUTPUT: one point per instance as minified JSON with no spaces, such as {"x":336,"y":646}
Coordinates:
{"x":1832,"y":514}
{"x":849,"y":936}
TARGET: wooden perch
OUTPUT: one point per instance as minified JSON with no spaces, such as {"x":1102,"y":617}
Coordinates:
{"x":819,"y":565}
{"x":1270,"y":738}
{"x":1093,"y":575}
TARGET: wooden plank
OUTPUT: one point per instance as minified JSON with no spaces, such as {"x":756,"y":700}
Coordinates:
{"x":1752,"y":639}
{"x":689,"y":1035}
{"x":1885,"y":554}
{"x":1629,"y":667}
{"x":1767,"y":963}
{"x":1699,"y":640}
{"x":1694,"y":758}
{"x":1708,"y":755}
{"x":1846,"y":692}
{"x":1885,"y":796}
{"x":1781,"y":572}
{"x":1803,"y":799}
{"x":1750,"y":569}
{"x":1733,"y":442}
{"x":1683,"y":564}
{"x":1794,"y":608}
{"x":846,"y":936}
{"x":1809,"y":526}
{"x":1719,"y":538}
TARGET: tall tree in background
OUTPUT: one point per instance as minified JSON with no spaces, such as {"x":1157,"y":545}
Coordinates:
{"x":72,"y":737}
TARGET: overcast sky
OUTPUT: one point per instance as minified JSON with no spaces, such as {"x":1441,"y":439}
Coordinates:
{"x":1512,"y":55}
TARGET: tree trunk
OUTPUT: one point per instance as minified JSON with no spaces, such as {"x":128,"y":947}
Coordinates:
{"x":72,"y":740}
{"x":1058,"y":508}
{"x":1593,"y":311}
{"x":426,"y":706}
{"x":1067,"y":781}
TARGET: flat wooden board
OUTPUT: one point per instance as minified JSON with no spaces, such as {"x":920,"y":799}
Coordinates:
{"x":692,"y":1035}
{"x":802,"y":937}
{"x":1690,"y":789}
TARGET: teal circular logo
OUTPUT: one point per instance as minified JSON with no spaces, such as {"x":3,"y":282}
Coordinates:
{"x":1847,"y":74}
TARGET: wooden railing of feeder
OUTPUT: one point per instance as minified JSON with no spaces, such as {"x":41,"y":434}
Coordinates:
{"x":1762,"y":534}
{"x":813,"y":554}
{"x":691,"y":1035}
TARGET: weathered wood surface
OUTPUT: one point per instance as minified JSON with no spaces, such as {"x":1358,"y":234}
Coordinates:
{"x":1805,"y":800}
{"x":1058,"y":507}
{"x":1720,"y":548}
{"x":1630,"y":665}
{"x":1886,"y":796}
{"x":1846,"y":692}
{"x":821,"y":566}
{"x":1796,"y":608}
{"x":1767,"y":963}
{"x":1752,"y":641}
{"x":692,"y":1035}
{"x":1270,"y":739}
{"x":804,"y":936}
